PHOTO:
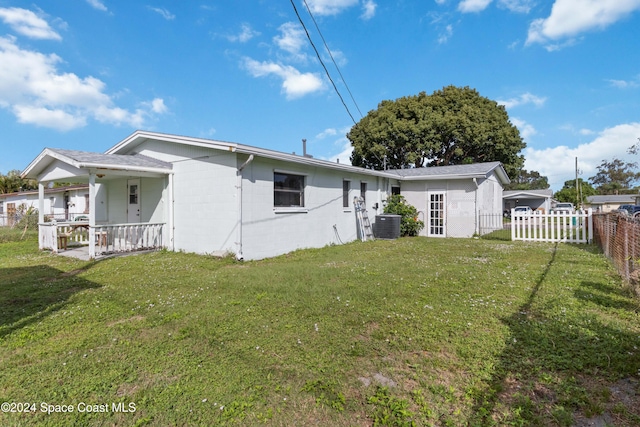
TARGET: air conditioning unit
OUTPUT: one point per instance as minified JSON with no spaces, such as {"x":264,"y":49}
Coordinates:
{"x":387,"y":226}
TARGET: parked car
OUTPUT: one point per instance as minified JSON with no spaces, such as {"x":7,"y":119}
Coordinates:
{"x":563,"y":207}
{"x":523,"y":210}
{"x":633,"y":210}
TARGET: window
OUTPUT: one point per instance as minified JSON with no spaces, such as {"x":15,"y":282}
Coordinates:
{"x":86,"y":203}
{"x":363,"y":191}
{"x":1,"y":208}
{"x":395,"y":190}
{"x":346,"y":186}
{"x":288,"y":190}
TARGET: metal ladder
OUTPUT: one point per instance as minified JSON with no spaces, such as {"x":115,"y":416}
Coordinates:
{"x":364,"y":225}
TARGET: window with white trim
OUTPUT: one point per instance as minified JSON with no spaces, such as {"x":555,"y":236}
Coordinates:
{"x":363,"y":191}
{"x":288,"y":190}
{"x":346,"y":186}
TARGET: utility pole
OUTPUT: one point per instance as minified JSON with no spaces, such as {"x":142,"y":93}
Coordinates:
{"x":577,"y":190}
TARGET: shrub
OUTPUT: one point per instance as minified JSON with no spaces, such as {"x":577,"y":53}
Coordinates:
{"x":409,"y":223}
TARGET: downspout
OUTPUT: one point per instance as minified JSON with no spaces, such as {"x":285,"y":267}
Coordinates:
{"x":171,"y":203}
{"x":475,"y":208}
{"x":239,"y":254}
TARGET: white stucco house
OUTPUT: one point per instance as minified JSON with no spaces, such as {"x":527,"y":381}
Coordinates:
{"x":214,"y":197}
{"x":62,"y":203}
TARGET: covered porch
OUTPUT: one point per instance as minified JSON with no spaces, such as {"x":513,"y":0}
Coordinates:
{"x":129,"y":200}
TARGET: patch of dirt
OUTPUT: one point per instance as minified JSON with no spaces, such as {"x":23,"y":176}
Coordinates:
{"x":624,"y":392}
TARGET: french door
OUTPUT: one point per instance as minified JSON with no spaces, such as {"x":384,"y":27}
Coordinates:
{"x":436,"y":218}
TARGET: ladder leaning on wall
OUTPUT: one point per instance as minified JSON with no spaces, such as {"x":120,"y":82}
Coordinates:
{"x":364,"y":225}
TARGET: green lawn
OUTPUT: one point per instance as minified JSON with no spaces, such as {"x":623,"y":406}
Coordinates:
{"x":409,"y":332}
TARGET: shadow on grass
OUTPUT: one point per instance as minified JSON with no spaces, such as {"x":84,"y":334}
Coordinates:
{"x":29,"y":294}
{"x":554,"y":362}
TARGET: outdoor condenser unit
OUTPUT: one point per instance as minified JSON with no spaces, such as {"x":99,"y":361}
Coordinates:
{"x":387,"y":226}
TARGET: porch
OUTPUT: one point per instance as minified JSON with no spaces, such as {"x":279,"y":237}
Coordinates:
{"x":128,"y":196}
{"x":80,"y":240}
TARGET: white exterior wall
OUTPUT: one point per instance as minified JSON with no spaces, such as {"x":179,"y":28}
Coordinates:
{"x":268,"y":231}
{"x":53,"y":202}
{"x":463,"y":202}
{"x":205,"y":204}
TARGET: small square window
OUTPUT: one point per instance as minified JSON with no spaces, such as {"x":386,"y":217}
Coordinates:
{"x":288,"y":190}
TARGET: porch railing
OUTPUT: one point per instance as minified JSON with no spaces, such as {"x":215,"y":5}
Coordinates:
{"x":109,"y":238}
{"x":115,"y":238}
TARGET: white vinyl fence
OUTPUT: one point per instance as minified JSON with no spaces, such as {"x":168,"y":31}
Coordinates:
{"x":552,"y":227}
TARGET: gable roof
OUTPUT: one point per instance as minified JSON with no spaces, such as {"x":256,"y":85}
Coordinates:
{"x":474,"y":170}
{"x":529,"y":194}
{"x":89,"y":160}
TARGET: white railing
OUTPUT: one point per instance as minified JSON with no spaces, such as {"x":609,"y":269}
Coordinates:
{"x":56,"y":235}
{"x":115,"y":238}
{"x":552,"y":227}
{"x":112,"y":238}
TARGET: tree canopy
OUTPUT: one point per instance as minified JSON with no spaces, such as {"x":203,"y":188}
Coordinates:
{"x":526,"y":180}
{"x":615,"y":176}
{"x":452,"y":126}
{"x":568,"y":192}
{"x":13,"y":182}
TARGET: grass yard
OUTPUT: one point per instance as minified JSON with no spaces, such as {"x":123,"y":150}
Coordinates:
{"x":445,"y":332}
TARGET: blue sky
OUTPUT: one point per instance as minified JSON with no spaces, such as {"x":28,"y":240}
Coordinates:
{"x":84,"y":74}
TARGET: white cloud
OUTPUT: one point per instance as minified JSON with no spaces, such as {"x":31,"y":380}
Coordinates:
{"x":625,"y":84}
{"x":28,"y":24}
{"x":519,"y":6}
{"x":525,"y":98}
{"x":246,"y":34}
{"x":558,"y":163}
{"x":291,"y":39}
{"x":341,"y":149}
{"x":98,"y":5}
{"x":526,"y":130}
{"x":326,"y":133}
{"x":294,"y":83}
{"x":330,"y":7}
{"x":163,"y":12}
{"x":469,"y":6}
{"x":569,"y":18}
{"x":368,"y":9}
{"x":50,"y":118}
{"x":445,"y":34}
{"x":33,"y":89}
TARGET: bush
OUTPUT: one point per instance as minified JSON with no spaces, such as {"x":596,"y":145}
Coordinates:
{"x":409,"y":223}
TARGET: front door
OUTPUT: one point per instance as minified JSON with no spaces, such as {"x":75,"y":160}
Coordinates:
{"x":11,"y":214}
{"x":436,"y":225}
{"x":133,"y":202}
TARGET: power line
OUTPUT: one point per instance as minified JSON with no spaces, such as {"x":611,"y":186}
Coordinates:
{"x":332,"y":59}
{"x":322,"y":62}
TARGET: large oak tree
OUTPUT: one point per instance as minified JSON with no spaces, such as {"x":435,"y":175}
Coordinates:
{"x":452,"y":126}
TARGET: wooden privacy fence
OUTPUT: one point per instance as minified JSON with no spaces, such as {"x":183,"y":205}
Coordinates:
{"x":564,"y":227}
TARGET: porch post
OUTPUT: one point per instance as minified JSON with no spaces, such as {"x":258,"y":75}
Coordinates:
{"x":40,"y":214}
{"x":92,"y":215}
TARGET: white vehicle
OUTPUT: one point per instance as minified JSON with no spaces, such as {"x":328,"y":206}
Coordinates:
{"x":523,"y":210}
{"x":563,"y":207}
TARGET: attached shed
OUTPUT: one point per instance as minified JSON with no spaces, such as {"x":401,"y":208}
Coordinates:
{"x":454,"y":200}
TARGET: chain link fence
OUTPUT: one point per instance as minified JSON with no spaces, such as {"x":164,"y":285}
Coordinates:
{"x":618,"y":235}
